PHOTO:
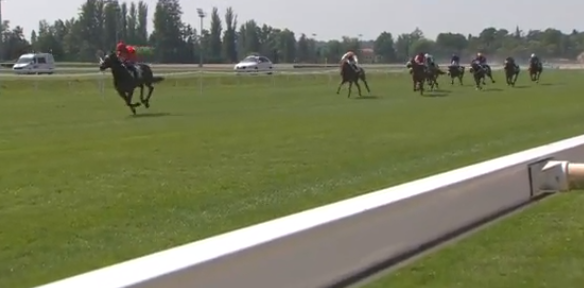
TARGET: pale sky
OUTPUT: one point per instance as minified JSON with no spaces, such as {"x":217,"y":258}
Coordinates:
{"x":335,"y":18}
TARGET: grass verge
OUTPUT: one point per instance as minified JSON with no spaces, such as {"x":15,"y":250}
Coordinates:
{"x":539,"y":247}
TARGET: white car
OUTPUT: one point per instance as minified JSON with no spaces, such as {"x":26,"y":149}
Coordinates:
{"x":254,"y":64}
{"x":35,"y":63}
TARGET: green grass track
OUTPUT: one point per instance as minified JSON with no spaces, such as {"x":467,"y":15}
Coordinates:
{"x":84,"y":185}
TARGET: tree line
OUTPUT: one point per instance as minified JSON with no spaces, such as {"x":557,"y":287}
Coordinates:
{"x":101,"y":23}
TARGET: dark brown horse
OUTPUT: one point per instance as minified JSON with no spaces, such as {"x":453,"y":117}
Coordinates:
{"x":456,"y":72}
{"x":535,"y":70}
{"x":432,"y":74}
{"x":478,"y":74}
{"x":352,"y":74}
{"x":419,"y":75}
{"x":126,"y":81}
{"x":511,"y":72}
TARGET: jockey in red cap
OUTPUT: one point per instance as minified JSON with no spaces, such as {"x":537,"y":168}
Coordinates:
{"x":127,"y":54}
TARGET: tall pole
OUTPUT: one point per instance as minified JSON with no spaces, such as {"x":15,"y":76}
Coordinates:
{"x":1,"y":34}
{"x":201,"y":16}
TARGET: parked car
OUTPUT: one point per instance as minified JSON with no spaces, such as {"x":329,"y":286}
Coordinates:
{"x":254,"y":63}
{"x":35,"y":63}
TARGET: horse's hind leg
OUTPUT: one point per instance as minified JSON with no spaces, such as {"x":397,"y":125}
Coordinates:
{"x":142,"y":100}
{"x":146,"y":102}
{"x":366,"y":86}
{"x":340,"y":85}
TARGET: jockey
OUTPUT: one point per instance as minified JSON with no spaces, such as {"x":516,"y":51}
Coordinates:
{"x":350,"y":58}
{"x":420,"y":59}
{"x":481,"y":59}
{"x":534,"y":60}
{"x":429,"y":60}
{"x":127,"y":54}
{"x":455,"y":60}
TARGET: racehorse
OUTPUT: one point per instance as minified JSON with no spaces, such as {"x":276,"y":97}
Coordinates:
{"x":456,"y":71}
{"x":535,"y":70}
{"x":352,"y":75}
{"x":126,"y":81}
{"x":511,"y":73}
{"x":478,"y":72}
{"x":419,"y":75}
{"x":432,"y":74}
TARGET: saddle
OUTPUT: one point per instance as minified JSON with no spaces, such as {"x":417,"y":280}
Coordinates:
{"x":134,"y":70}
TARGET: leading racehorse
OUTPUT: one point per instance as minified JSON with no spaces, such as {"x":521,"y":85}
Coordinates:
{"x":126,"y":81}
{"x":352,"y":74}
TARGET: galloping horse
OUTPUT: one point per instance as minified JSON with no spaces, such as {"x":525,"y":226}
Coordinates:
{"x":126,"y":81}
{"x":478,"y":72}
{"x":419,"y":75}
{"x":511,"y":72}
{"x":352,"y":74}
{"x":432,"y":74}
{"x":456,"y":71}
{"x":535,"y":70}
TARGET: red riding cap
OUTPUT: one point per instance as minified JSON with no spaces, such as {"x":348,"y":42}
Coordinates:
{"x":121,"y":46}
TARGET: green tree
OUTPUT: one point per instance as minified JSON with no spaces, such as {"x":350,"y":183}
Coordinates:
{"x":229,"y":44}
{"x":215,"y":31}
{"x":384,"y":47}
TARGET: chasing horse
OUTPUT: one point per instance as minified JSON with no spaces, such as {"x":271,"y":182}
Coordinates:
{"x":432,"y":72}
{"x":351,"y":73}
{"x":535,"y":68}
{"x":482,"y":61}
{"x":418,"y":70}
{"x":511,"y":71}
{"x":455,"y":70}
{"x":478,"y":74}
{"x":128,"y":75}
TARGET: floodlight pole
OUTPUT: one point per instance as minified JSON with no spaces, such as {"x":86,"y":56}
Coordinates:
{"x":202,"y":15}
{"x":1,"y":34}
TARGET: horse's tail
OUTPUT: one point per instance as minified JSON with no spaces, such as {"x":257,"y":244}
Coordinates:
{"x":156,"y":79}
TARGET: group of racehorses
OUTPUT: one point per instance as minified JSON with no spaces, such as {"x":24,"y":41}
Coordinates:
{"x":428,"y":74}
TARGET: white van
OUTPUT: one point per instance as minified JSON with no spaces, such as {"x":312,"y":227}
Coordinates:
{"x":35,"y":63}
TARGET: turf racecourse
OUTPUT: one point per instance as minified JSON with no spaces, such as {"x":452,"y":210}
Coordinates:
{"x":85,"y":185}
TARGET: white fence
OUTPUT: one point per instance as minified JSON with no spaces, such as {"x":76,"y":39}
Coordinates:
{"x":323,"y":246}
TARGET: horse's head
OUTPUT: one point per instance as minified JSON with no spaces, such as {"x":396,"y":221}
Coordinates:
{"x":108,"y":61}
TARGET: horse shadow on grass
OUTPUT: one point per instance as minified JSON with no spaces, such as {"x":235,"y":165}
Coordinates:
{"x":437,"y":93}
{"x":493,"y":89}
{"x":152,"y":115}
{"x":521,"y":86}
{"x":366,"y":97}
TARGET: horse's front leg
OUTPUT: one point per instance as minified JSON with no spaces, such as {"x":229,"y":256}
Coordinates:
{"x":350,"y":88}
{"x":127,"y":96}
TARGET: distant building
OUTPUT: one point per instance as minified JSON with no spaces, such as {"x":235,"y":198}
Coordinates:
{"x":367,"y":55}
